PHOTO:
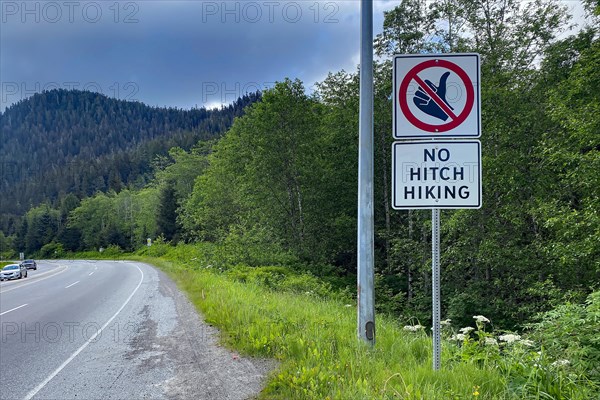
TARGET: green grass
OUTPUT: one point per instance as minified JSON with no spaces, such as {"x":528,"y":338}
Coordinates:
{"x":315,"y":342}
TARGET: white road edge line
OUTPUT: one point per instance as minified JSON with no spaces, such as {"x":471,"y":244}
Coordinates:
{"x":36,"y":281}
{"x":12,"y":309}
{"x":79,"y":350}
{"x":72,"y":284}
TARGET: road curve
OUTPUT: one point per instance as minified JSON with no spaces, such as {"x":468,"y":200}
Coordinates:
{"x":112,"y":330}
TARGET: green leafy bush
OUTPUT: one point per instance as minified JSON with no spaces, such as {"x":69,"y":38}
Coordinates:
{"x":113,"y":251}
{"x":546,"y":363}
{"x":570,"y":335}
{"x":52,"y":250}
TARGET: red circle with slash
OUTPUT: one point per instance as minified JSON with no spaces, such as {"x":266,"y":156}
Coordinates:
{"x":456,"y":120}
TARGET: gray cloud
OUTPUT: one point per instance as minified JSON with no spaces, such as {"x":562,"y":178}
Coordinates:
{"x":174,"y":53}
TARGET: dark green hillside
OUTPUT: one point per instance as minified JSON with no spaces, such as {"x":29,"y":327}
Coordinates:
{"x":69,"y":141}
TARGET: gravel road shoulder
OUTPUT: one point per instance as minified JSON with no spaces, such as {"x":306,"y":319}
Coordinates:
{"x":203,"y":369}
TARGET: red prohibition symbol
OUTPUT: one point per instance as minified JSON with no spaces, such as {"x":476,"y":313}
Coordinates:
{"x":455,"y":120}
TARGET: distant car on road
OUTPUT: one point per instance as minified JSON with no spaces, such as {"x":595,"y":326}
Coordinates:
{"x":13,"y":271}
{"x":30,"y":264}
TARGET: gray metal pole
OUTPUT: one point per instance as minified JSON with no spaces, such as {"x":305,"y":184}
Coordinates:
{"x":366,"y":303}
{"x":435,"y":278}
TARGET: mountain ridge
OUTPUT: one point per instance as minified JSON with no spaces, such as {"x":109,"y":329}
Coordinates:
{"x":72,"y":141}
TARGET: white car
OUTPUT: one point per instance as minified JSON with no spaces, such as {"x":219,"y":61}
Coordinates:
{"x":13,"y":271}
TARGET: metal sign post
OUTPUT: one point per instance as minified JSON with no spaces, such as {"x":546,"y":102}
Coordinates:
{"x":435,"y":294}
{"x":366,"y":229}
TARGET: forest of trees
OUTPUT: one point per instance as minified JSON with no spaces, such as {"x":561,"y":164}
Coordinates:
{"x":69,"y":141}
{"x":283,"y":179}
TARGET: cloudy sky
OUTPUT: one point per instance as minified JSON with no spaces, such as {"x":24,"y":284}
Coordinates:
{"x":175,"y":53}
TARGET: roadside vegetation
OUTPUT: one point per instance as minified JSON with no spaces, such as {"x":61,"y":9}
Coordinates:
{"x":259,"y":224}
{"x":281,"y":182}
{"x":308,"y":324}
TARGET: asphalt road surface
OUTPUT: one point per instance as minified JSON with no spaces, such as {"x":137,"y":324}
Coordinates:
{"x":112,"y":330}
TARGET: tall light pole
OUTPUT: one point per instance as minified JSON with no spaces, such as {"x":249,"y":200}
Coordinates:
{"x":366,"y":303}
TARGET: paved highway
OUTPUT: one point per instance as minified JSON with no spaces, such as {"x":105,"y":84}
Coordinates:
{"x":112,"y":330}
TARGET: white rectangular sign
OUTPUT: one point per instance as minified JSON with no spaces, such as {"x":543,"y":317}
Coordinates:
{"x":436,"y":96}
{"x":436,"y":174}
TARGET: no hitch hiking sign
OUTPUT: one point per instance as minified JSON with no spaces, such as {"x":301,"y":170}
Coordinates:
{"x":436,"y":174}
{"x":436,"y":100}
{"x":436,"y":96}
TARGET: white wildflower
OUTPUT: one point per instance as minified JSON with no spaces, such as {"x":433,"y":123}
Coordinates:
{"x":446,"y":322}
{"x":528,"y":343}
{"x":348,"y":305}
{"x":458,"y":336}
{"x":480,"y":318}
{"x":413,"y":328}
{"x":561,"y":363}
{"x":491,"y":341}
{"x":509,"y":338}
{"x":466,"y":329}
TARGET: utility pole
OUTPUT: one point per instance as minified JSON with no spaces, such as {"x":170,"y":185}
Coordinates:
{"x":366,"y":301}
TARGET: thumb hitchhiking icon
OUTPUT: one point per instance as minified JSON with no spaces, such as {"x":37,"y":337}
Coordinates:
{"x":430,"y":106}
